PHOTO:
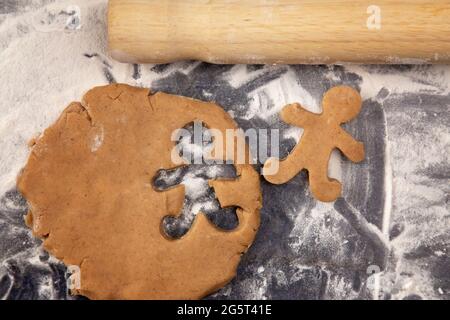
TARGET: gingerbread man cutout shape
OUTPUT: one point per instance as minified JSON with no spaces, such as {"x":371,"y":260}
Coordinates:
{"x":322,"y":133}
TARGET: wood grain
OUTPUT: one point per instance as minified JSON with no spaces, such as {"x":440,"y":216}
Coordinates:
{"x":282,"y":31}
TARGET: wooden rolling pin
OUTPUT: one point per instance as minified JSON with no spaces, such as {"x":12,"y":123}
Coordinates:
{"x":280,"y":31}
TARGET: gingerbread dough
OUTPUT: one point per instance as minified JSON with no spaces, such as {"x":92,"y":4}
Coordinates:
{"x":322,"y":133}
{"x":88,"y":182}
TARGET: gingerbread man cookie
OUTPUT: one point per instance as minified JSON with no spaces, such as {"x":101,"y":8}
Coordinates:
{"x":322,"y":133}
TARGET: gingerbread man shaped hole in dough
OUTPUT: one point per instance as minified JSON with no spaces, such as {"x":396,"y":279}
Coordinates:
{"x":199,"y":197}
{"x":195,"y":177}
{"x":322,"y":133}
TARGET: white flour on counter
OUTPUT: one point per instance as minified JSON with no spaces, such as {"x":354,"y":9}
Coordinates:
{"x":419,"y":79}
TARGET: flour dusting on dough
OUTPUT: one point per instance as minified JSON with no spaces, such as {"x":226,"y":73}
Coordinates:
{"x":98,"y":139}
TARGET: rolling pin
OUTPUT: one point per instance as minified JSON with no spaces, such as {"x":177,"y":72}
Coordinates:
{"x":280,"y":31}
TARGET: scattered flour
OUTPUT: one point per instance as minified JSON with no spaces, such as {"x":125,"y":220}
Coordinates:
{"x":268,"y":100}
{"x":413,"y":81}
{"x":293,"y":133}
{"x":194,"y":186}
{"x":98,"y":139}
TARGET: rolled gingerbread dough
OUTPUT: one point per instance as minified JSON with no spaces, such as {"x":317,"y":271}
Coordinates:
{"x":88,"y":182}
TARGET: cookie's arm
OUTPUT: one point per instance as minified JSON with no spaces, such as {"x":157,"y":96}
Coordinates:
{"x":294,"y":114}
{"x":351,"y":148}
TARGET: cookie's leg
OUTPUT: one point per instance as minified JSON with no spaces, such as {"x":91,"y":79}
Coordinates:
{"x":322,"y":187}
{"x":279,"y":172}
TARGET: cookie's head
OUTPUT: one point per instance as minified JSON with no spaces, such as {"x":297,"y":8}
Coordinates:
{"x":341,"y":103}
